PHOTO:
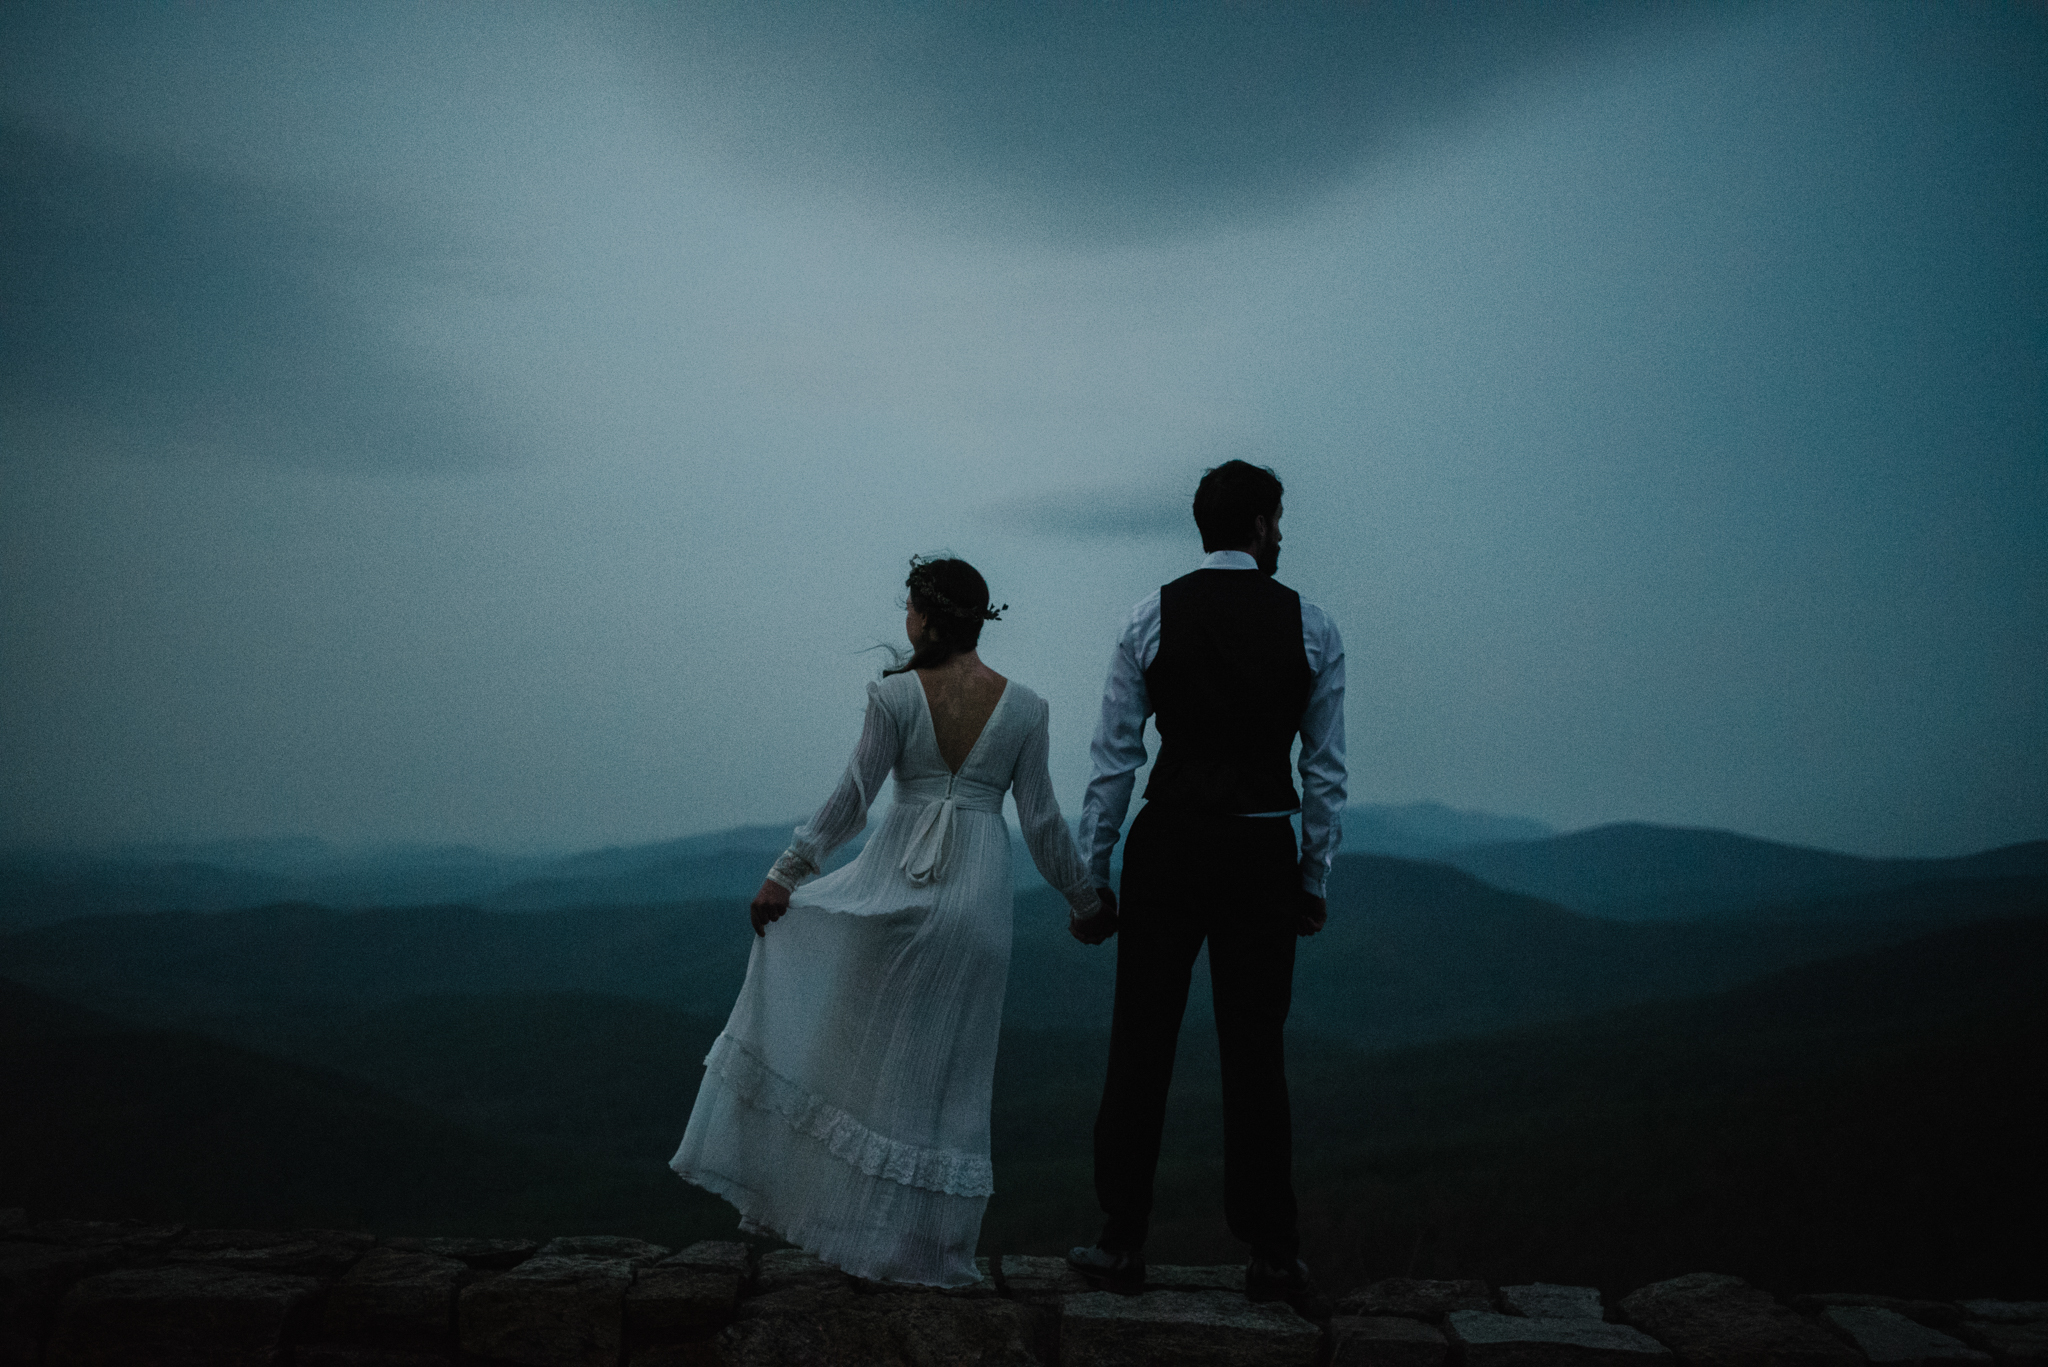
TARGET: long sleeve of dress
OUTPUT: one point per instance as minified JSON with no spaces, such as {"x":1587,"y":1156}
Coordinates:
{"x":1045,"y":830}
{"x":845,"y":813}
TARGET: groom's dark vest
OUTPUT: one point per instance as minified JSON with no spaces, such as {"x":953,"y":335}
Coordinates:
{"x":1228,"y":687}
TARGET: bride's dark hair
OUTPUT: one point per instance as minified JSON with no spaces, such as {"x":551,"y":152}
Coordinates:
{"x":953,"y":597}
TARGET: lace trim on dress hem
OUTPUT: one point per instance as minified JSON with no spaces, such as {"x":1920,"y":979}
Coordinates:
{"x":952,"y":1172}
{"x":800,"y":1232}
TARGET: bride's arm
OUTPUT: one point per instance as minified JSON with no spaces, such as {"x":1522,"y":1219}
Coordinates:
{"x":1045,"y":830}
{"x":843,"y":816}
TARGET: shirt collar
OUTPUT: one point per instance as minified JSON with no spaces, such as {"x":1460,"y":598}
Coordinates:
{"x":1229,"y":560}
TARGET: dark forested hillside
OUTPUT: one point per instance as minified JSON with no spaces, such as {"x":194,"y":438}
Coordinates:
{"x":1639,"y":872}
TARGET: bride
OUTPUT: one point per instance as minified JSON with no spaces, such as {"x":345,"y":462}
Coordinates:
{"x":845,"y":1106}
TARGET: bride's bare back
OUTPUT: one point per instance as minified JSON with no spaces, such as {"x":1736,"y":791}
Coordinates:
{"x":962,"y":694}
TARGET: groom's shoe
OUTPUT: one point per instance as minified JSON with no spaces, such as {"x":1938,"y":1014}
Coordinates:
{"x":1275,"y":1280}
{"x":1123,"y":1273}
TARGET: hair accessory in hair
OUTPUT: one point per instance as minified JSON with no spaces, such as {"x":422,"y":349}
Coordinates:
{"x":922,"y":586}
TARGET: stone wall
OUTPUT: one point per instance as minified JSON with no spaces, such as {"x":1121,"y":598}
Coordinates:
{"x":78,"y":1292}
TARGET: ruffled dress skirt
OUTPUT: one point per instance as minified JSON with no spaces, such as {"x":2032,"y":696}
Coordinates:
{"x":845,"y":1107}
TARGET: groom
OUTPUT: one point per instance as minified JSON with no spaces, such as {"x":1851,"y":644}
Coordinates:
{"x":1233,"y":666}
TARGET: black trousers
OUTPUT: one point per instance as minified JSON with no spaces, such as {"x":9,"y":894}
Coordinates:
{"x":1233,"y":881}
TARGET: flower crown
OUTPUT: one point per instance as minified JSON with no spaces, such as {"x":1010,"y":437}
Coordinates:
{"x":921,"y":586}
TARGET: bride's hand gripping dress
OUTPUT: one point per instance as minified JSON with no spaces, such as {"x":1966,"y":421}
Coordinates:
{"x":845,"y":1106}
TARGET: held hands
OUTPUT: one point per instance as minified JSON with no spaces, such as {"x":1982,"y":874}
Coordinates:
{"x":1311,"y":914}
{"x":1093,"y":930}
{"x":768,"y":905}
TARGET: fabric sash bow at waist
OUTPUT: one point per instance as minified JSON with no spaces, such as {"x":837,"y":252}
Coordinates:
{"x":924,"y":862}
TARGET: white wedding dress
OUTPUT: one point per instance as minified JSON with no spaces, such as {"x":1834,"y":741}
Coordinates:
{"x":845,"y":1106}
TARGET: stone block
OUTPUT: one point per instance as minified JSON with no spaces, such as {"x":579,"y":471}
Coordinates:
{"x":1168,"y":1277}
{"x":1544,"y":1301}
{"x":636,"y":1251}
{"x":1416,"y":1298}
{"x":704,"y":1353}
{"x":1485,"y":1339}
{"x":792,"y":1267}
{"x":1889,"y":1339}
{"x":825,"y":1326}
{"x":33,"y":1280}
{"x":1036,"y":1279}
{"x":715,"y":1255}
{"x":669,"y":1303}
{"x":484,"y":1254}
{"x":1183,"y":1329}
{"x":365,"y":1355}
{"x":12,"y":1218}
{"x":303,"y":1252}
{"x":1934,"y":1314}
{"x":179,"y":1316}
{"x":2010,"y":1345}
{"x":1711,"y":1320}
{"x":1385,"y":1341}
{"x":2007,"y":1312}
{"x":548,"y":1312}
{"x":407,"y":1299}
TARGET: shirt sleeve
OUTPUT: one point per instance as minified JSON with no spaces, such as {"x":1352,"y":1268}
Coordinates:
{"x":1118,"y":750}
{"x":1323,"y":775}
{"x":1045,"y":830}
{"x":845,"y":813}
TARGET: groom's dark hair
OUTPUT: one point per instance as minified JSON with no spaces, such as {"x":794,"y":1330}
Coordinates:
{"x":1229,"y":498}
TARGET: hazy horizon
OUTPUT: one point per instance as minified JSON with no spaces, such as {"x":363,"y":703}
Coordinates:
{"x":508,"y":426}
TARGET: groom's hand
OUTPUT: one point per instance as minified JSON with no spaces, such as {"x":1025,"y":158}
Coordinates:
{"x":1093,"y":930}
{"x":769,"y":904}
{"x":1311,"y":915}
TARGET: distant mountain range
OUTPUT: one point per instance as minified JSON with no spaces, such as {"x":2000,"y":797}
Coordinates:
{"x":1639,"y":872}
{"x":1631,"y":872}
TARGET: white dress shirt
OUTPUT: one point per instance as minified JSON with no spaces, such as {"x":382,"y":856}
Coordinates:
{"x":1119,"y":746}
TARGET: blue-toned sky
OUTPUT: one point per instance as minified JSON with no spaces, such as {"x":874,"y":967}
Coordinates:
{"x":508,"y":424}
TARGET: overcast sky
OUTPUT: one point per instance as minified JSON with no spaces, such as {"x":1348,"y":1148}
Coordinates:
{"x":509,"y":424}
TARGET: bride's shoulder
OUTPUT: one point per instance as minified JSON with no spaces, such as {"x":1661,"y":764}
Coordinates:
{"x":1023,"y":702}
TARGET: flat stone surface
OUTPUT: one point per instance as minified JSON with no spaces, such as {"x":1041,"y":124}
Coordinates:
{"x":1416,"y":1298}
{"x":393,"y":1294}
{"x":132,"y":1237}
{"x":1491,"y":1340}
{"x":715,"y":1255}
{"x":2007,"y":1312}
{"x":704,"y":1354}
{"x":1035,"y":1278}
{"x":364,"y":1355}
{"x":1709,"y":1319}
{"x":790,"y":1267}
{"x":1887,"y":1337}
{"x":668,"y":1303}
{"x":2010,"y":1345}
{"x":492,"y":1254}
{"x":1183,"y":1329}
{"x":1385,"y":1341}
{"x":548,"y":1312}
{"x":177,"y":1316}
{"x":33,"y":1279}
{"x":1169,"y":1277}
{"x":1545,"y":1301}
{"x":303,"y":1252}
{"x":826,"y":1326}
{"x":636,"y":1251}
{"x":1934,"y":1314}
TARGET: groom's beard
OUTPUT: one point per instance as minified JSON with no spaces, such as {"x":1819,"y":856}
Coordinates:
{"x":1267,"y":558}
